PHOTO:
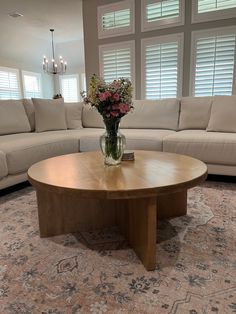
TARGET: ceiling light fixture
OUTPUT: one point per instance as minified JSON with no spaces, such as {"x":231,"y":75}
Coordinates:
{"x":15,"y":14}
{"x":54,"y":68}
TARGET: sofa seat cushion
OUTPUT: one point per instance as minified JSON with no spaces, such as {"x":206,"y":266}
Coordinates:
{"x":210,"y":147}
{"x":3,"y":165}
{"x":23,"y":150}
{"x":135,"y":139}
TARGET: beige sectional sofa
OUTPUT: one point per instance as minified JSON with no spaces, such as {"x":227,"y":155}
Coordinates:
{"x":202,"y":127}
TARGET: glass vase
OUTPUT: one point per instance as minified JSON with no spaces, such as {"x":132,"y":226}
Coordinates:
{"x":112,"y":142}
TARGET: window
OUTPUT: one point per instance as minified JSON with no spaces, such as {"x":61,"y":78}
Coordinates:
{"x":82,"y":82}
{"x":213,"y":55}
{"x":162,"y":13}
{"x":162,"y":63}
{"x":9,"y":84}
{"x":69,"y":87}
{"x":208,"y":10}
{"x":116,"y":19}
{"x":117,"y":60}
{"x":32,"y":84}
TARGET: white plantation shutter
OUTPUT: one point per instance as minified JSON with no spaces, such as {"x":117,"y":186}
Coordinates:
{"x":9,"y":84}
{"x":210,"y":10}
{"x":162,"y":67}
{"x":215,"y":5}
{"x":162,"y":13}
{"x":32,"y":84}
{"x":116,"y":19}
{"x":117,"y":61}
{"x":162,"y":10}
{"x":214,"y":65}
{"x":69,"y":88}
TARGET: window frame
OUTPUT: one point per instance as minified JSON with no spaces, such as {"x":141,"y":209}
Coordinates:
{"x":17,"y":72}
{"x":211,"y":15}
{"x":202,"y":34}
{"x":118,"y":31}
{"x":163,"y":23}
{"x":158,"y":40}
{"x":68,"y":76}
{"x":39,"y":77}
{"x":125,"y":44}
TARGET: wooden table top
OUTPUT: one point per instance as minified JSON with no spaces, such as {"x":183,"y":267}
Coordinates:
{"x":151,"y":173}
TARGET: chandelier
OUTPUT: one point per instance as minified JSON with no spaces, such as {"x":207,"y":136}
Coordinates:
{"x":55,"y":67}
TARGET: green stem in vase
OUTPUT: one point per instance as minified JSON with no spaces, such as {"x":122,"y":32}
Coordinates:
{"x":112,"y":145}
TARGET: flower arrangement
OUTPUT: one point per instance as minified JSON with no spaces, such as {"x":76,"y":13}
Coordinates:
{"x":112,"y":100}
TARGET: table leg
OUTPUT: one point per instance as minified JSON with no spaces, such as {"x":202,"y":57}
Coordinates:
{"x":137,"y":219}
{"x":172,"y":205}
{"x":61,"y":213}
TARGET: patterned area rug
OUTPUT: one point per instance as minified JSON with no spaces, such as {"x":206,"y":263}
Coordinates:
{"x":96,"y":272}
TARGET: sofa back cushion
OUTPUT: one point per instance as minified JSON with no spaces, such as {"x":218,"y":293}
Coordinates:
{"x":29,"y":109}
{"x":153,"y":114}
{"x":91,"y":118}
{"x":223,"y":114}
{"x":194,"y":112}
{"x":13,"y":118}
{"x":49,"y":114}
{"x":74,"y":115}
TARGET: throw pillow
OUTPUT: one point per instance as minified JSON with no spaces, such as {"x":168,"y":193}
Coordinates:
{"x":74,"y":115}
{"x":49,"y":114}
{"x":91,"y":118}
{"x":223,"y":114}
{"x":29,"y":109}
{"x":194,"y":112}
{"x":13,"y":118}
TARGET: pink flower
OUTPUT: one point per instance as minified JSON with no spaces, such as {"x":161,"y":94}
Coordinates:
{"x":115,"y":107}
{"x":114,"y":113}
{"x":116,"y":97}
{"x":104,"y":96}
{"x":124,"y":108}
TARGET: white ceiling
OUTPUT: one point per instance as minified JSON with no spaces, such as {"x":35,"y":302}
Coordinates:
{"x":27,"y":38}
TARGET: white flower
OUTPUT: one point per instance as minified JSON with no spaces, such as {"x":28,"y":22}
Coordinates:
{"x":98,"y":307}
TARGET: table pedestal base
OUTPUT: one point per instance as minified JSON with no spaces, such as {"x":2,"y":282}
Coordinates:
{"x":137,"y":218}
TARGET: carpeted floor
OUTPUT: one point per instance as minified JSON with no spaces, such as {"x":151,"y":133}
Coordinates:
{"x":98,"y":273}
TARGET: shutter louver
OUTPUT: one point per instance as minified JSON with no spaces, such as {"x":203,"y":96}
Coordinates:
{"x":9,"y":84}
{"x":116,"y":64}
{"x":32,"y":87}
{"x":165,"y":9}
{"x":116,"y":19}
{"x":161,"y":70}
{"x":215,"y":5}
{"x":69,"y":88}
{"x":214,"y":65}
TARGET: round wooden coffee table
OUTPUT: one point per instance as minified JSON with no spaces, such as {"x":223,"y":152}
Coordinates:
{"x":78,"y":192}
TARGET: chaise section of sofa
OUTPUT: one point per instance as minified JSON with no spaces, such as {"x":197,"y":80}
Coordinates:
{"x":216,"y":149}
